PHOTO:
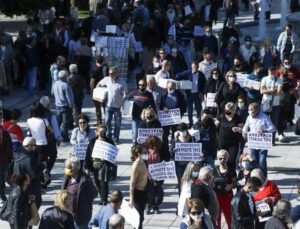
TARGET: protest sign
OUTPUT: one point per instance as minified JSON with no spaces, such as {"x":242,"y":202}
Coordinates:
{"x":265,"y":209}
{"x":144,"y":133}
{"x":131,"y":215}
{"x":210,"y":99}
{"x":188,"y":151}
{"x":127,"y":107}
{"x":172,"y":117}
{"x":185,"y":85}
{"x":80,"y":150}
{"x":162,"y":82}
{"x":207,"y":69}
{"x":162,"y":171}
{"x":100,"y":94}
{"x":259,"y":141}
{"x":195,"y":134}
{"x":111,"y":29}
{"x":106,"y":151}
{"x":241,"y":78}
{"x":199,"y":31}
{"x":187,"y":10}
{"x":252,"y":83}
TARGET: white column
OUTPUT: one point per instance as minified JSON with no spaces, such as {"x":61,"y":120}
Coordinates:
{"x":262,"y":20}
{"x":283,"y":13}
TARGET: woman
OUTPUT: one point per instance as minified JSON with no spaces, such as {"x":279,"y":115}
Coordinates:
{"x":230,"y":128}
{"x":223,"y":183}
{"x":18,"y":202}
{"x":242,"y":111}
{"x":38,"y":128}
{"x":196,"y":216}
{"x":181,"y":136}
{"x":268,"y":54}
{"x":212,"y":85}
{"x":60,"y":216}
{"x":190,"y":174}
{"x":247,"y":164}
{"x":281,"y":216}
{"x":103,"y":170}
{"x":82,"y":134}
{"x":149,"y":119}
{"x":229,"y":91}
{"x":138,"y":181}
{"x":157,"y":154}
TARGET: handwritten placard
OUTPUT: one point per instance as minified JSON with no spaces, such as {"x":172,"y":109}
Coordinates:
{"x":210,"y":99}
{"x":252,"y":83}
{"x":185,"y":84}
{"x":259,"y":141}
{"x":105,"y":151}
{"x":145,"y":133}
{"x":188,"y":151}
{"x":172,"y":117}
{"x":80,"y":150}
{"x":241,"y":78}
{"x":162,"y":171}
{"x":195,"y":134}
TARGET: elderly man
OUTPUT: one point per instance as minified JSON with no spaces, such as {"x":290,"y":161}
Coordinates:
{"x":155,"y":90}
{"x":117,"y":90}
{"x":64,"y":102}
{"x":116,"y":222}
{"x":82,"y":190}
{"x":260,"y":123}
{"x":203,"y":190}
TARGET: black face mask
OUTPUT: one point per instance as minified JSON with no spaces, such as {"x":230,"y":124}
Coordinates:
{"x":150,"y":117}
{"x":102,"y":134}
{"x":228,"y":112}
{"x":142,"y":89}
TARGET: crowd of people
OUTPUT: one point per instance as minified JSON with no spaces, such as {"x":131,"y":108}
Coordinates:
{"x":59,"y":60}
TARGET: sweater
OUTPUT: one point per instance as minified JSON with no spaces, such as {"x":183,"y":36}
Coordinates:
{"x":270,"y":190}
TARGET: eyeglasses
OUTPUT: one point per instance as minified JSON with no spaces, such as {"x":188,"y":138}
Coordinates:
{"x":82,"y":122}
{"x":161,"y":53}
{"x":196,"y":213}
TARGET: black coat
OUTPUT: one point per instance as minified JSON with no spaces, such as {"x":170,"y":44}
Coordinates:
{"x":153,"y":124}
{"x":181,"y":103}
{"x":55,"y":218}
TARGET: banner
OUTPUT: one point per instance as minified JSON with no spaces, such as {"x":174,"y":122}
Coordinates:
{"x":241,"y":78}
{"x":105,"y":151}
{"x":207,"y":69}
{"x":111,"y":29}
{"x":131,"y":215}
{"x":144,"y":133}
{"x":188,"y":151}
{"x":80,"y":150}
{"x":162,"y":82}
{"x":252,"y":83}
{"x":172,"y":117}
{"x":259,"y":141}
{"x":199,"y":31}
{"x":210,"y":99}
{"x":162,"y":171}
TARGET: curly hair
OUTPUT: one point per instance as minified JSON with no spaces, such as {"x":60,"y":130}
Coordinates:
{"x":148,"y":109}
{"x":153,"y":142}
{"x":282,"y":211}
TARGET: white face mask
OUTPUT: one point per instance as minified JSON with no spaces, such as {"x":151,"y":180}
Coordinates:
{"x":231,"y":79}
{"x":208,"y":34}
{"x":183,"y":133}
{"x":145,"y":157}
{"x":250,"y":113}
{"x":194,"y":217}
{"x":241,"y":106}
{"x":171,"y":91}
{"x":272,"y":77}
{"x":287,"y":66}
{"x":156,"y":65}
{"x":215,"y":77}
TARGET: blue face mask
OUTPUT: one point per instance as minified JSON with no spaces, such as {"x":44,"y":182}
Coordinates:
{"x":246,"y":165}
{"x":195,"y":174}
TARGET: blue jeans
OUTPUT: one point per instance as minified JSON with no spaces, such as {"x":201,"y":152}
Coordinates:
{"x":109,"y":113}
{"x":209,"y":160}
{"x":135,"y":125}
{"x":193,"y":99}
{"x":64,"y":118}
{"x":31,"y":80}
{"x":260,"y":158}
{"x":187,"y":53}
{"x":180,"y":167}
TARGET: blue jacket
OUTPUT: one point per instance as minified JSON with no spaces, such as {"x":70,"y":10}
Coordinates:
{"x":101,"y":219}
{"x":188,"y":75}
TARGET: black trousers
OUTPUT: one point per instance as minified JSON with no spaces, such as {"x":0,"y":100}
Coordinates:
{"x":140,"y":200}
{"x":103,"y":187}
{"x":233,"y":153}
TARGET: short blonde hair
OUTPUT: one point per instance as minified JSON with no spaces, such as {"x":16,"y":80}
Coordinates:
{"x":148,"y":109}
{"x":229,"y":73}
{"x":222,"y":153}
{"x":247,"y":155}
{"x":63,"y":201}
{"x":74,"y":162}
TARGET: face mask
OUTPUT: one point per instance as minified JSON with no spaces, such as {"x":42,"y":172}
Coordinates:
{"x":142,"y":89}
{"x":237,"y":65}
{"x":84,"y":126}
{"x":183,"y":133}
{"x":253,"y":193}
{"x":246,"y":165}
{"x":68,"y":172}
{"x":208,"y":34}
{"x":195,"y":174}
{"x":145,"y":157}
{"x":171,"y":91}
{"x":156,"y":65}
{"x":223,"y":162}
{"x":272,"y":77}
{"x":150,"y":117}
{"x":250,"y":113}
{"x":231,"y":79}
{"x":228,"y":112}
{"x":287,"y":66}
{"x":248,"y":43}
{"x":241,"y":106}
{"x":102,"y":134}
{"x":195,"y":217}
{"x":215,"y":77}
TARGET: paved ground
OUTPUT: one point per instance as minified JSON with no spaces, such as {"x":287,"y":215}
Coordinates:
{"x":283,"y":159}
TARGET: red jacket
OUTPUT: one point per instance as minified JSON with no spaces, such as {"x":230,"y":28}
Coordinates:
{"x":270,"y":190}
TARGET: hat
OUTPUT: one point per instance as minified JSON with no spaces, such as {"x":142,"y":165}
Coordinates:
{"x":29,"y":141}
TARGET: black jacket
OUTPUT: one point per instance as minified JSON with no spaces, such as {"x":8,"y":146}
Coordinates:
{"x":275,"y":223}
{"x":213,"y":14}
{"x":181,"y":103}
{"x":152,"y":124}
{"x":188,"y":75}
{"x":55,"y":218}
{"x":77,"y":82}
{"x":86,"y":193}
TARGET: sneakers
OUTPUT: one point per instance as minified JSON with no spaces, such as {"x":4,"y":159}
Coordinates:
{"x":283,"y":138}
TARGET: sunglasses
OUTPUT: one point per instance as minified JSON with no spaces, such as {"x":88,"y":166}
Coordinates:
{"x":197,"y":213}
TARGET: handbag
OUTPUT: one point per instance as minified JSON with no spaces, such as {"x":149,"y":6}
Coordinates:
{"x":34,"y":215}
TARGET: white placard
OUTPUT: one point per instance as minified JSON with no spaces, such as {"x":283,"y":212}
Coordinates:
{"x":162,"y":82}
{"x":208,"y":69}
{"x":195,"y":134}
{"x":188,"y":151}
{"x":259,"y":141}
{"x":252,"y":83}
{"x":127,"y":107}
{"x":111,"y":29}
{"x":241,"y":78}
{"x":162,"y":171}
{"x":263,"y":207}
{"x":199,"y":31}
{"x":210,"y":99}
{"x":131,"y":215}
{"x":185,"y":85}
{"x":100,"y":94}
{"x":138,"y":47}
{"x":172,"y":117}
{"x":144,"y":133}
{"x":80,"y":150}
{"x":106,"y":151}
{"x":187,"y":10}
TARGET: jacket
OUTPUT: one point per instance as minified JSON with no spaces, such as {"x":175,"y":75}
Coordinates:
{"x":55,"y":218}
{"x":212,"y":85}
{"x":206,"y":222}
{"x":6,"y":147}
{"x":86,"y":193}
{"x":275,"y":223}
{"x":152,"y":124}
{"x":181,"y":103}
{"x":281,"y":42}
{"x":188,"y":75}
{"x":213,"y":14}
{"x":76,"y":83}
{"x":242,"y":216}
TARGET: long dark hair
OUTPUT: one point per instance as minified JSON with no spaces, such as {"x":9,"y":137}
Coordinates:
{"x":37,"y":110}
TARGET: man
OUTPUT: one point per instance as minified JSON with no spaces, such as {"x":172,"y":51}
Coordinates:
{"x":203,"y":190}
{"x":230,"y":33}
{"x":287,"y":42}
{"x":164,"y":72}
{"x":210,"y":41}
{"x":141,"y":99}
{"x":155,"y":90}
{"x":116,"y":222}
{"x":208,"y":13}
{"x":171,"y":99}
{"x":193,"y":95}
{"x":60,"y":39}
{"x":247,"y":50}
{"x":64,"y":102}
{"x":82,"y":190}
{"x":117,"y":90}
{"x":231,"y":9}
{"x":254,"y":95}
{"x":184,"y":37}
{"x":6,"y":156}
{"x":141,"y":12}
{"x":206,"y":64}
{"x":31,"y":63}
{"x":243,"y":205}
{"x":258,"y":122}
{"x":101,"y":219}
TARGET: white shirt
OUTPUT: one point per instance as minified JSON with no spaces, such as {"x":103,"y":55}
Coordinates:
{"x":270,"y":83}
{"x":247,"y":53}
{"x":37,"y":127}
{"x":261,"y":122}
{"x":161,"y":74}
